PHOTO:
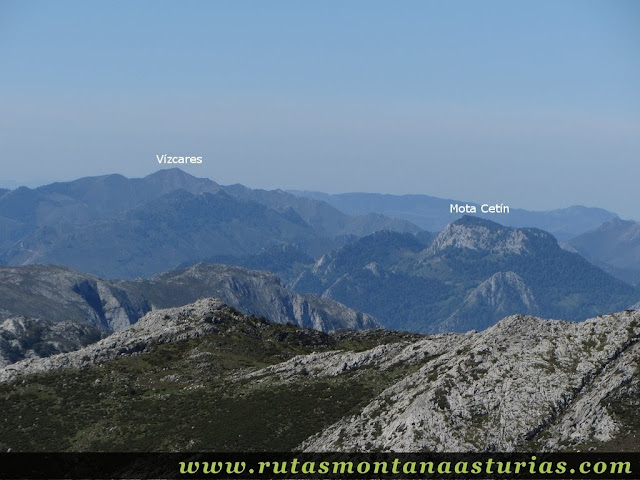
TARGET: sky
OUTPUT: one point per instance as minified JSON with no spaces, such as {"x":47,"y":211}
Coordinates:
{"x":534,"y":104}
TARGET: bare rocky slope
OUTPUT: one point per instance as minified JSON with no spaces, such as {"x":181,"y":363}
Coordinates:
{"x":55,"y":309}
{"x":526,"y":381}
{"x":524,"y":384}
{"x":161,"y":326}
{"x":22,"y":337}
{"x":254,"y":292}
{"x":59,"y":294}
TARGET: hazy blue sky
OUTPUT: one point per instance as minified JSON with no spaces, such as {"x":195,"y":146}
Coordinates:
{"x":534,"y":104}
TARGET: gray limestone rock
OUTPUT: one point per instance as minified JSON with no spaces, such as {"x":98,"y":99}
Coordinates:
{"x":523,"y":380}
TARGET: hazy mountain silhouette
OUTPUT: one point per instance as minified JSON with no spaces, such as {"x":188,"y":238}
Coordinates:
{"x":433,"y":213}
{"x":117,"y":227}
{"x":614,"y":246}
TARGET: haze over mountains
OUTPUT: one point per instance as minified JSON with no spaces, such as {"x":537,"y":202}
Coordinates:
{"x":310,"y":323}
{"x":433,"y":213}
{"x":469,"y":276}
{"x":613,"y":246}
{"x":116,"y":227}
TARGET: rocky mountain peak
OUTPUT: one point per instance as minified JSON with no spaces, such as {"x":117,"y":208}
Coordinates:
{"x":484,"y":235}
{"x":159,"y":326}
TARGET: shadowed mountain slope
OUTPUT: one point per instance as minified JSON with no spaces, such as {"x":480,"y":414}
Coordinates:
{"x":613,"y":246}
{"x":175,"y":228}
{"x":472,"y":274}
{"x":58,"y":294}
{"x":22,"y":337}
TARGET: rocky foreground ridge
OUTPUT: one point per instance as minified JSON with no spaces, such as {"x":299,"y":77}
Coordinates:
{"x":157,"y":327}
{"x":525,"y":383}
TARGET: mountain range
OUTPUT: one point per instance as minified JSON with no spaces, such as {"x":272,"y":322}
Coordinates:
{"x":525,"y":384}
{"x":154,"y":233}
{"x":270,"y":321}
{"x":116,"y":227}
{"x":433,"y":213}
{"x":472,"y":274}
{"x":614,"y":246}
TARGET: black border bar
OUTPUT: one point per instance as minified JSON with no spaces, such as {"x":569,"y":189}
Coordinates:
{"x":292,"y":465}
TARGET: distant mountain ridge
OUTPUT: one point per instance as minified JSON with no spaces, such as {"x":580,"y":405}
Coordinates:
{"x":613,"y":246}
{"x":116,"y":227}
{"x":481,"y":235}
{"x":174,"y":228}
{"x":433,"y":213}
{"x":257,"y":293}
{"x":94,"y":198}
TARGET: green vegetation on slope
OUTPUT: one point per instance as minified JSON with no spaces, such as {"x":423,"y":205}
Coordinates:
{"x":188,"y":395}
